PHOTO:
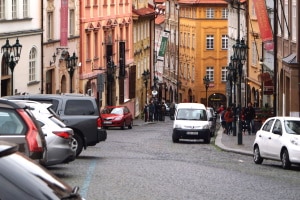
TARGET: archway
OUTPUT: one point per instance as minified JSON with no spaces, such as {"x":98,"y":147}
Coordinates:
{"x":215,"y":100}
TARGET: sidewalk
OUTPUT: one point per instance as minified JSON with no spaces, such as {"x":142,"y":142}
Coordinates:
{"x":225,"y":142}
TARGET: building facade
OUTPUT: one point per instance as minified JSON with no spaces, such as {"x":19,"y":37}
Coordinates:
{"x":203,"y":46}
{"x":21,"y":20}
{"x":107,"y":70}
{"x":60,"y":42}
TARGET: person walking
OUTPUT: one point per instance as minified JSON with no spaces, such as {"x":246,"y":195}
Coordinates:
{"x":146,"y":112}
{"x":229,"y":119}
{"x":249,"y":118}
{"x":151,"y":111}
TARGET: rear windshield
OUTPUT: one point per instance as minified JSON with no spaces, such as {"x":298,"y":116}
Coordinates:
{"x":191,"y":114}
{"x":79,"y":107}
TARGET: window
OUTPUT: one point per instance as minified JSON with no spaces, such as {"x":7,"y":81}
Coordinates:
{"x":79,"y":107}
{"x":2,"y":9}
{"x":224,"y":13}
{"x":72,"y":23}
{"x":193,"y":41}
{"x":209,"y":42}
{"x":14,"y":9}
{"x":267,"y":126}
{"x":32,"y":64}
{"x":210,"y":73}
{"x":210,"y":13}
{"x":25,"y":9}
{"x":224,"y":41}
{"x":286,"y":24}
{"x":49,"y":25}
{"x":294,"y":20}
{"x":224,"y":74}
{"x":254,"y":54}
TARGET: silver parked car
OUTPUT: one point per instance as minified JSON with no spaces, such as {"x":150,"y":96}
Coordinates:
{"x":61,"y":146}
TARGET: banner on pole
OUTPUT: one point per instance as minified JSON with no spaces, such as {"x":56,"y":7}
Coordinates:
{"x":264,"y":23}
{"x":163,"y":45}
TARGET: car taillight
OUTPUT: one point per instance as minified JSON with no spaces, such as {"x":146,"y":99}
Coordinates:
{"x":63,"y":134}
{"x":32,"y":137}
{"x":99,"y":122}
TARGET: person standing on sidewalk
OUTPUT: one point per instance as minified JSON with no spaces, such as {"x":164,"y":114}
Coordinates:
{"x":229,"y":119}
{"x":249,"y":117}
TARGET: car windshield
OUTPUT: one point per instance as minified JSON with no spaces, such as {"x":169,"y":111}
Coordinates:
{"x":292,"y":126}
{"x":118,"y":111}
{"x":191,"y":114}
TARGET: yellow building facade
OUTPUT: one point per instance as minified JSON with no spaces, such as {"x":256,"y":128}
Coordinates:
{"x":203,"y":49}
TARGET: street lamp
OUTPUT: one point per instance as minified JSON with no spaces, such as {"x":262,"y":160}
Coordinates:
{"x":233,"y":75}
{"x":239,"y":59}
{"x":11,"y":57}
{"x":206,"y":83}
{"x":146,"y":77}
{"x":71,"y":62}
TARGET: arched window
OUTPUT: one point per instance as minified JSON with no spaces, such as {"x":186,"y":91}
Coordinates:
{"x":32,"y":64}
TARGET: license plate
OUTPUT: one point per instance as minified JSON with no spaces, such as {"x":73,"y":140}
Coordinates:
{"x":107,"y":122}
{"x":192,"y":133}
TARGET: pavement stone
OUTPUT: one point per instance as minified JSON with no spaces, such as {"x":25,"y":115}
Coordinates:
{"x":225,"y":142}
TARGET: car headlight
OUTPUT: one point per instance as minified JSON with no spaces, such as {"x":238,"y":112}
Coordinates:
{"x":295,"y":141}
{"x":206,"y":126}
{"x":118,"y":118}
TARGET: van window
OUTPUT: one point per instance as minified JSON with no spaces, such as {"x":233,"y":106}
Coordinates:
{"x":191,"y":114}
{"x":79,"y":107}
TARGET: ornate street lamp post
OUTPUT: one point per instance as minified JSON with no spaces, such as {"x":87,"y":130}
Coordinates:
{"x":146,"y":77}
{"x":233,"y":75}
{"x":11,"y":57}
{"x":239,"y":59}
{"x":206,"y":83}
{"x":71,"y":62}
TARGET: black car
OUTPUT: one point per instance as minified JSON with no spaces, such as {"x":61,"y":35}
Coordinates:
{"x":21,"y":178}
{"x":77,"y":111}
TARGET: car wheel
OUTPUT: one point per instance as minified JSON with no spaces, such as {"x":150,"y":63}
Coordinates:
{"x":207,"y":139}
{"x":79,"y":144}
{"x":256,"y":155}
{"x":123,"y":126}
{"x":130,"y":125}
{"x":175,"y":139}
{"x":285,"y":159}
{"x":74,"y":144}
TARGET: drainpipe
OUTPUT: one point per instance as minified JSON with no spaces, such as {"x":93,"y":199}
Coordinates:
{"x":42,"y":48}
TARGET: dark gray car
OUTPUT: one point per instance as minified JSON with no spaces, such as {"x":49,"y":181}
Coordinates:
{"x":77,"y":111}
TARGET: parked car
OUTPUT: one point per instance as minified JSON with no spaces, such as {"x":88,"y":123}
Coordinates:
{"x":211,"y":120}
{"x":190,"y":122}
{"x":117,"y":116}
{"x":278,"y":139}
{"x":22,"y":178}
{"x":61,"y":146}
{"x":19,"y":126}
{"x":79,"y":112}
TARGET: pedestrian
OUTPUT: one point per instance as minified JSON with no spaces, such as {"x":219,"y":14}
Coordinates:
{"x":151,"y":111}
{"x":172,"y":110}
{"x":221,"y":109}
{"x":249,"y":118}
{"x":229,"y":119}
{"x":146,"y":112}
{"x":163,"y":111}
{"x":223,"y":121}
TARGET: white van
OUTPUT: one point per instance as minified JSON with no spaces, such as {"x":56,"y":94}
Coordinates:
{"x":190,"y":122}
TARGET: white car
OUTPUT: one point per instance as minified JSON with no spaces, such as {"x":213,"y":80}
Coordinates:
{"x":61,"y":146}
{"x":278,"y":139}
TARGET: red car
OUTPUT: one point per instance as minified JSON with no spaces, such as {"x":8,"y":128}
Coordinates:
{"x":117,"y":116}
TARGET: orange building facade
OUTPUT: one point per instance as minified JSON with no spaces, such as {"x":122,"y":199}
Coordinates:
{"x":203,"y":49}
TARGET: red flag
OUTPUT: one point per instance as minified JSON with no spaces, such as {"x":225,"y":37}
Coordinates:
{"x":263,"y":20}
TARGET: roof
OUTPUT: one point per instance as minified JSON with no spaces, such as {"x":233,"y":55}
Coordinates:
{"x":192,"y":2}
{"x":160,"y":19}
{"x":143,"y":11}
